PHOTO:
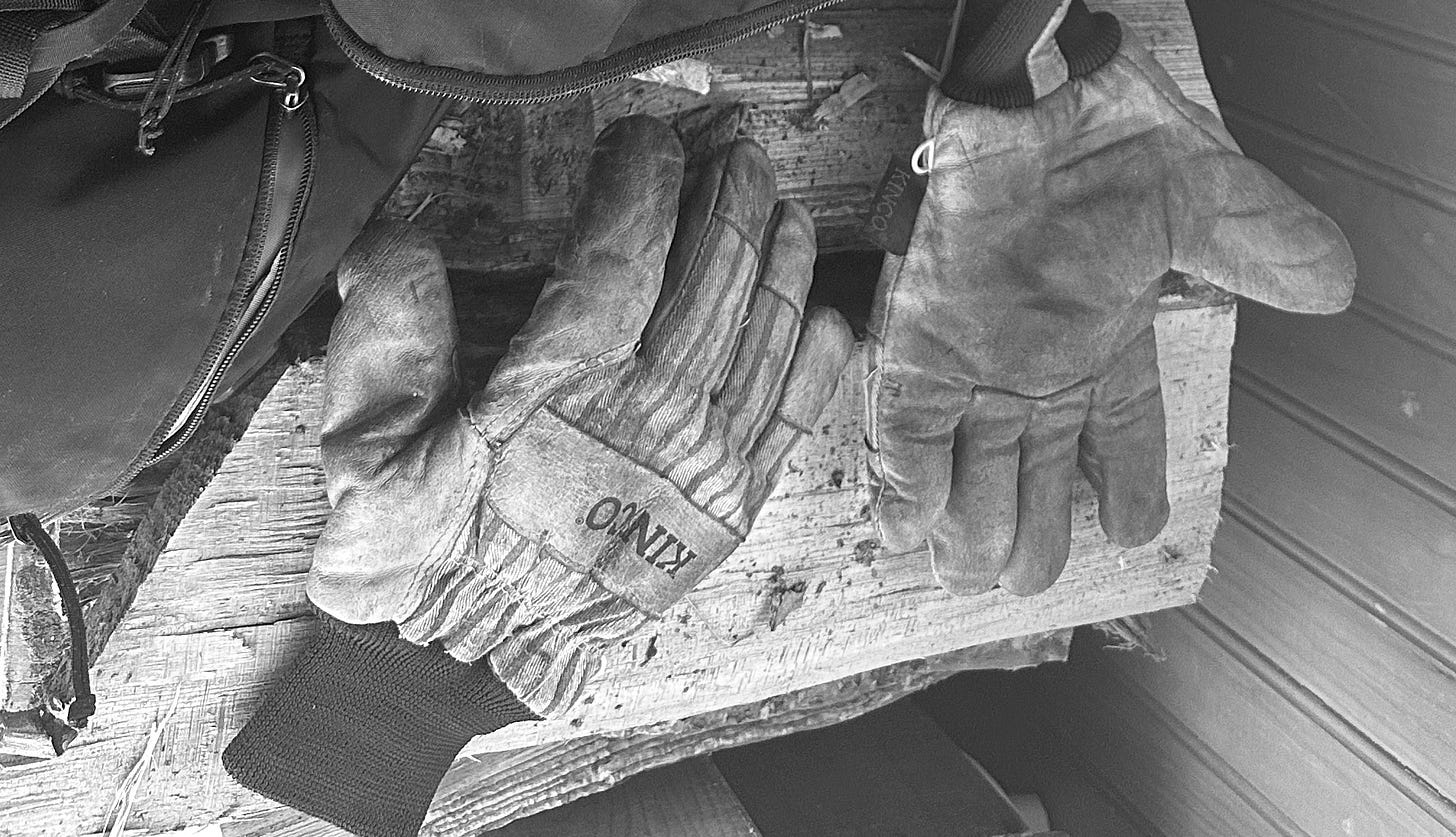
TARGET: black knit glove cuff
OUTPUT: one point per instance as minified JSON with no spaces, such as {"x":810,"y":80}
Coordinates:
{"x":996,"y":35}
{"x":363,"y":728}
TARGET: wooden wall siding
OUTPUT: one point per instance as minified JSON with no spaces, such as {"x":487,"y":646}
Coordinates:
{"x":1389,"y":397}
{"x":1325,"y":74}
{"x":1403,"y":229}
{"x":1313,"y":689}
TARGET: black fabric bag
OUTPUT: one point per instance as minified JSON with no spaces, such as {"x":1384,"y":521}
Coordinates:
{"x":134,"y":287}
{"x":133,"y":284}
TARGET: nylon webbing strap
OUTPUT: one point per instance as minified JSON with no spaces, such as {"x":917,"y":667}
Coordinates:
{"x":44,"y":5}
{"x":21,"y":23}
{"x":60,"y":45}
{"x":17,"y":35}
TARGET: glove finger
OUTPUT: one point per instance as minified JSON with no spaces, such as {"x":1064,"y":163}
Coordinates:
{"x":390,"y":372}
{"x":1123,"y":446}
{"x":711,"y":269}
{"x":1044,"y":496}
{"x":608,"y":272}
{"x":825,"y":343}
{"x":767,"y":342}
{"x":972,"y":542}
{"x":910,"y":468}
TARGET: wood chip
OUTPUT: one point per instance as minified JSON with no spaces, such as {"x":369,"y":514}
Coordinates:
{"x":832,"y":108}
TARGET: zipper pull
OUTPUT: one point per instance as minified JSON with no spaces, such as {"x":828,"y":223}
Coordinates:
{"x":283,"y":75}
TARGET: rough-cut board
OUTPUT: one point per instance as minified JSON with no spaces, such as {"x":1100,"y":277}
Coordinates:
{"x":607,"y":759}
{"x":489,"y":790}
{"x":806,"y":601}
{"x":496,"y":183}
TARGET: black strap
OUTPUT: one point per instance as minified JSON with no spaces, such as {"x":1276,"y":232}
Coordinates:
{"x":18,"y":30}
{"x":29,"y":530}
{"x":56,"y":47}
{"x":44,"y":5}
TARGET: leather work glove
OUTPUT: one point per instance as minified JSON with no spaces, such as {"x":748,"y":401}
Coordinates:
{"x":481,"y":551}
{"x":1013,"y":343}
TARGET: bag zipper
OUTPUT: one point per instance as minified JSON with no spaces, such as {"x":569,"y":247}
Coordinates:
{"x":288,"y":163}
{"x":487,"y":88}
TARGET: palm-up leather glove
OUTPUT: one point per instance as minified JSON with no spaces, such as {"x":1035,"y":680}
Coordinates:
{"x":1014,"y":340}
{"x":481,"y":552}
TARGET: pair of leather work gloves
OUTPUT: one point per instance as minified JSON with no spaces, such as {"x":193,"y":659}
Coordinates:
{"x":483,"y":548}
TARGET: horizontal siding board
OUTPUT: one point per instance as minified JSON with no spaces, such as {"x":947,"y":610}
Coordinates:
{"x":1147,"y":760}
{"x":1392,"y":391}
{"x":1403,"y":231}
{"x":1400,"y":695}
{"x":1277,"y":746}
{"x":1364,"y":95}
{"x":1321,"y":667}
{"x":1381,"y":533}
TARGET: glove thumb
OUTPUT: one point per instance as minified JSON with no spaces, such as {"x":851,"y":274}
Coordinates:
{"x":1238,"y":226}
{"x":609,"y":269}
{"x":390,"y":372}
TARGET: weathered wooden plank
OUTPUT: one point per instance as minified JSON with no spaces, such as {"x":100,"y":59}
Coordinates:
{"x":496,"y":184}
{"x":219,"y":617}
{"x":536,"y":778}
{"x":196,"y":690}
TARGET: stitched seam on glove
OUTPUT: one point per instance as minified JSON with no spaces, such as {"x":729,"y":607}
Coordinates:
{"x":881,"y":356}
{"x":543,"y":393}
{"x":510,"y":609}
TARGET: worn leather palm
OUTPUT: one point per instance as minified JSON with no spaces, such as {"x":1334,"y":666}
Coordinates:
{"x":1014,"y":341}
{"x":622,"y":447}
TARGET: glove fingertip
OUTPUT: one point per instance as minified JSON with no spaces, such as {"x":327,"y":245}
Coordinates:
{"x":390,"y":252}
{"x":746,"y":156}
{"x":1134,"y":522}
{"x":637,"y":132}
{"x":826,"y":333}
{"x":1031,"y":581}
{"x":901,"y":523}
{"x":968,"y":569}
{"x":795,"y":215}
{"x":825,"y":344}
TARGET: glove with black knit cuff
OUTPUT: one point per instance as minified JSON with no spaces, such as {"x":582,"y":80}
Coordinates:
{"x":482,"y":550}
{"x":1013,"y":343}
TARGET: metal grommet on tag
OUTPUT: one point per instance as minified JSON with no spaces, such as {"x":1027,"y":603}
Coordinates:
{"x":923,"y":160}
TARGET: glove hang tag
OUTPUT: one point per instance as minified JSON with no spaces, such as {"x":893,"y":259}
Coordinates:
{"x":1045,"y":64}
{"x":892,"y":213}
